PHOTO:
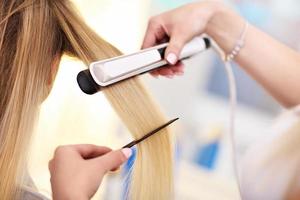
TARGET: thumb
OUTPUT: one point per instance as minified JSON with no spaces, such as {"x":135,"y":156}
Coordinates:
{"x":177,"y":41}
{"x":114,"y":159}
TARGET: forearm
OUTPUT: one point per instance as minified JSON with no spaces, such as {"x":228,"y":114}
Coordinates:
{"x":275,"y":66}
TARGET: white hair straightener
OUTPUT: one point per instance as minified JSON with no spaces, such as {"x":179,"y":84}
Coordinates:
{"x":107,"y":72}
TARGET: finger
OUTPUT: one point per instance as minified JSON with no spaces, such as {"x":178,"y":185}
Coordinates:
{"x":149,"y":39}
{"x":166,"y":71}
{"x":115,"y":169}
{"x":154,"y":33}
{"x":177,"y":41}
{"x":178,"y":69}
{"x":154,"y":73}
{"x":113,"y":159}
{"x":88,"y":151}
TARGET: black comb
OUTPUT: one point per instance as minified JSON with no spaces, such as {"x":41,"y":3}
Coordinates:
{"x":131,"y":144}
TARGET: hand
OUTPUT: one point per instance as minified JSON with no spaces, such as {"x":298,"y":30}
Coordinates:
{"x":180,"y":25}
{"x":77,"y":170}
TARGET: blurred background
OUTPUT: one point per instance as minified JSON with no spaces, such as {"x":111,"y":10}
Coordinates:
{"x":204,"y":167}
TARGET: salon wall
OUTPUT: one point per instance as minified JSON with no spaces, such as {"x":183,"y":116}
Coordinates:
{"x":199,"y":98}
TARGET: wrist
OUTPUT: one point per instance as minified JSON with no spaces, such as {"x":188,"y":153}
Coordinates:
{"x":219,"y":12}
{"x":225,"y":27}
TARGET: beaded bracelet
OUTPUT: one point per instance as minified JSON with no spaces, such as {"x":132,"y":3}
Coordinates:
{"x":239,"y":45}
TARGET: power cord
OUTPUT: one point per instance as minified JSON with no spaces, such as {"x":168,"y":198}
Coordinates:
{"x":233,"y":105}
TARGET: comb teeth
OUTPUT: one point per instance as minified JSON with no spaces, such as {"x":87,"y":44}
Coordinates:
{"x":131,"y":144}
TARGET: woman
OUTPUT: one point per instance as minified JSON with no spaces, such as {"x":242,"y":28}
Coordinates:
{"x":275,"y":66}
{"x":213,"y":18}
{"x":34,"y":34}
{"x":270,"y":169}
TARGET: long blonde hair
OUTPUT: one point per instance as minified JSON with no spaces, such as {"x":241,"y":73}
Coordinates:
{"x":35,"y":33}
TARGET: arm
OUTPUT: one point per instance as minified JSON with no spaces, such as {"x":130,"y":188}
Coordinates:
{"x":275,"y":66}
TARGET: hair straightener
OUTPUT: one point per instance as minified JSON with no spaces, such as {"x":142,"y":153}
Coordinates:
{"x":110,"y":71}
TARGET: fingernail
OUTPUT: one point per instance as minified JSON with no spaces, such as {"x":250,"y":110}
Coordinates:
{"x":127,"y":152}
{"x":170,"y":76}
{"x":172,"y":58}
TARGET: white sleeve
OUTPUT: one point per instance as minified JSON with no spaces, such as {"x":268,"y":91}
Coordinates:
{"x":29,"y":194}
{"x":266,"y":170}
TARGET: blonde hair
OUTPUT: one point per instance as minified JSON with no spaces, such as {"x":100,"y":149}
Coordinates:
{"x":33,"y":34}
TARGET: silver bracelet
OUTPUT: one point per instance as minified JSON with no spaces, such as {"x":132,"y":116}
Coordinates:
{"x":239,"y":45}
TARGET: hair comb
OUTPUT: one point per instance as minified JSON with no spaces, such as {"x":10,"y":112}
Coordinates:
{"x":135,"y":142}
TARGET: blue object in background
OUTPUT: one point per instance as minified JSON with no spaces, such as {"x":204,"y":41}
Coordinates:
{"x":249,"y":92}
{"x":127,"y":172}
{"x":169,"y":4}
{"x":256,"y":13}
{"x":130,"y":161}
{"x":207,"y":155}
